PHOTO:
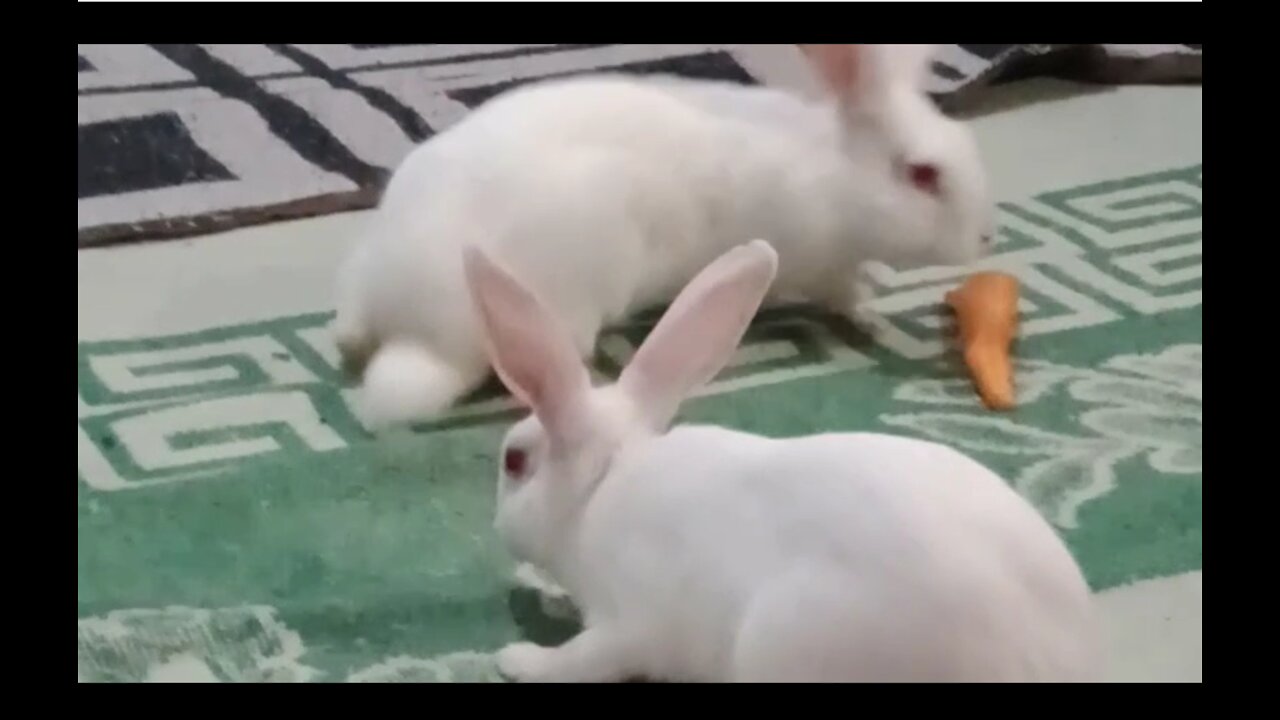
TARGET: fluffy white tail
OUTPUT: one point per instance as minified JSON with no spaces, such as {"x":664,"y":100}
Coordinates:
{"x":405,"y":382}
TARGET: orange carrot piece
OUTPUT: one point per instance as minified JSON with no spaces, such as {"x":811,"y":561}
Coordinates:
{"x":986,"y":307}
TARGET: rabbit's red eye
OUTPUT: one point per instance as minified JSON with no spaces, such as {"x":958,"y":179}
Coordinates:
{"x":924,"y":176}
{"x":514,"y":462}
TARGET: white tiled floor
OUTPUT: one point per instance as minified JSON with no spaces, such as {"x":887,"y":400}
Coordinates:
{"x":1155,"y":629}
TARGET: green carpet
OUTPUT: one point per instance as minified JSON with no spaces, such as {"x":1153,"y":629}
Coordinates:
{"x":236,"y":523}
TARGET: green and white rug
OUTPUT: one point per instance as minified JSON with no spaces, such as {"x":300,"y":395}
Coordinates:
{"x":237,"y":524}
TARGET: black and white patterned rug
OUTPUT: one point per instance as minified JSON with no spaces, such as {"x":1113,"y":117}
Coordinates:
{"x":176,"y":140}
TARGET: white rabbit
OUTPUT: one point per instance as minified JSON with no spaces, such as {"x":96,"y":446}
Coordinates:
{"x":705,"y":554}
{"x":606,"y":194}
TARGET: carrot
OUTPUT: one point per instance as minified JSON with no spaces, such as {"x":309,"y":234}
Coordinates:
{"x":986,"y":307}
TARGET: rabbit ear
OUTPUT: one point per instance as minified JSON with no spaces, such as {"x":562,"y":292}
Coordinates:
{"x":908,"y":64}
{"x":529,"y":347}
{"x":699,"y":331}
{"x":836,"y":65}
{"x":847,"y":72}
{"x":855,"y":74}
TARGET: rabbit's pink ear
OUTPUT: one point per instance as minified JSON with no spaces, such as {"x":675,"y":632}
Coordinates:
{"x":531,"y":351}
{"x":847,"y":72}
{"x":836,"y":65}
{"x":699,"y":332}
{"x":908,"y":64}
{"x":857,"y":74}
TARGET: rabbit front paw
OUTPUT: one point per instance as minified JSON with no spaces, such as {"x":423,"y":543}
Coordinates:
{"x":593,"y":656}
{"x":524,"y":662}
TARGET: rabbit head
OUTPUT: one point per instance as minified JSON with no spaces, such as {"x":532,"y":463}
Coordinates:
{"x":552,"y":460}
{"x":937,"y":197}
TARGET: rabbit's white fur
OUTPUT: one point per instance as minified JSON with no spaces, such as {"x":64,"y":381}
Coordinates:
{"x":606,"y":194}
{"x":706,"y":554}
